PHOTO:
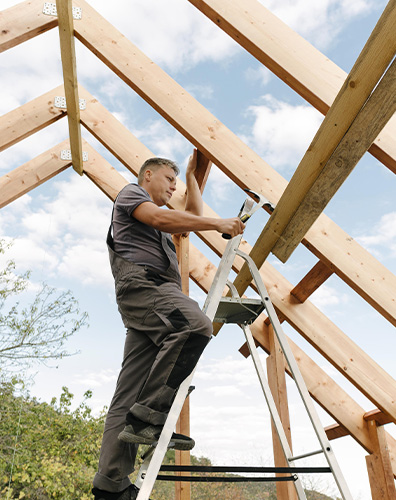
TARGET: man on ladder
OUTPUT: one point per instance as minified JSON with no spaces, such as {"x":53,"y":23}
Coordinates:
{"x":166,"y":330}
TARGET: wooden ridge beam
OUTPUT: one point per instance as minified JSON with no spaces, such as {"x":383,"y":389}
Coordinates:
{"x":322,"y":169}
{"x":31,"y":174}
{"x":311,"y":282}
{"x":231,"y":155}
{"x":23,"y":22}
{"x":289,"y":56}
{"x":68,"y":56}
{"x":30,"y":118}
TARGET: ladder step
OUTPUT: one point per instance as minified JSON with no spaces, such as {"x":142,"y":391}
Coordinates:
{"x":231,"y":310}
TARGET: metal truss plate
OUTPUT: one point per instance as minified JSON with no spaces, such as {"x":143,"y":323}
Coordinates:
{"x":60,"y":102}
{"x":50,"y":10}
{"x":66,"y":155}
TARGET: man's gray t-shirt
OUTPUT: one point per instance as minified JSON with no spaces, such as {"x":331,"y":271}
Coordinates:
{"x":133,"y":240}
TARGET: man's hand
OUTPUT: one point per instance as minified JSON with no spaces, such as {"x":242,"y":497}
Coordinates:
{"x":192,"y":164}
{"x":233,"y":226}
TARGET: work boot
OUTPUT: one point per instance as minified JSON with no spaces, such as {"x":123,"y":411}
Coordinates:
{"x":130,"y":493}
{"x":139,"y":432}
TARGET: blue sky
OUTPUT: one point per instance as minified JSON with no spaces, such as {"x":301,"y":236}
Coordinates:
{"x":59,"y":228}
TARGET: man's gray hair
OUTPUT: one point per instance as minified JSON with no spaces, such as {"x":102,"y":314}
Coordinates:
{"x":155,"y":164}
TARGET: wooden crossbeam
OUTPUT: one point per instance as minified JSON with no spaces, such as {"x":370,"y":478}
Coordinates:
{"x":22,"y":22}
{"x":31,"y":174}
{"x":30,"y":118}
{"x":289,"y":56}
{"x":336,"y":431}
{"x":312,"y":281}
{"x":298,"y":213}
{"x":229,"y":153}
{"x":68,"y":56}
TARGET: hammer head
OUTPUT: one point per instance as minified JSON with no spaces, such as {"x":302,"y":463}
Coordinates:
{"x":260,"y":199}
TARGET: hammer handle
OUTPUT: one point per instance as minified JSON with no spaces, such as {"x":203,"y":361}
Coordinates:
{"x":243,"y":218}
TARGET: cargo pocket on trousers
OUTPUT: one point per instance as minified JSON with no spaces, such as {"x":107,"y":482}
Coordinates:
{"x":170,"y":315}
{"x":135,"y":303}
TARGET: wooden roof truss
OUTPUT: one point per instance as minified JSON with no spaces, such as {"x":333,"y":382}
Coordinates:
{"x":358,"y":108}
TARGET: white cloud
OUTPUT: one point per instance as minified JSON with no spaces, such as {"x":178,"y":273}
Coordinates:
{"x":327,"y":296}
{"x":173,"y":33}
{"x":281,"y":132}
{"x":56,"y":237}
{"x":29,"y":70}
{"x":382,"y":237}
{"x":319,"y":22}
{"x":163,"y":140}
{"x":259,"y":74}
{"x":95,"y":379}
{"x":220,"y":186}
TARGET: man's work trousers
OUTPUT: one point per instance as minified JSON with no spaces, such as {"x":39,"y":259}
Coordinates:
{"x":166,"y":334}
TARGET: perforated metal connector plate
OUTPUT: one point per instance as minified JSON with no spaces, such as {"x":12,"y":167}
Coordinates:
{"x":66,"y":155}
{"x":60,"y":102}
{"x":50,"y":10}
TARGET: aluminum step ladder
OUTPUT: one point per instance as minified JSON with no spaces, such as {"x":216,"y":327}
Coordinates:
{"x":243,"y":311}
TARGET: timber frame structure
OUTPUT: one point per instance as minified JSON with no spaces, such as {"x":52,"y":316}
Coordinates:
{"x":357,"y":109}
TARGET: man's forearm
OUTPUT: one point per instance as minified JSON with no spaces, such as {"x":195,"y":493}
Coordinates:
{"x":176,"y":221}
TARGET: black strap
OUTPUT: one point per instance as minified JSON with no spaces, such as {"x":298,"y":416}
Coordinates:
{"x":226,"y":479}
{"x":215,"y":468}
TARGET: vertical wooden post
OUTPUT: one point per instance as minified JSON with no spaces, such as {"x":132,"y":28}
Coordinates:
{"x":183,"y":489}
{"x":182,"y":242}
{"x":277,"y":383}
{"x":379,"y":465}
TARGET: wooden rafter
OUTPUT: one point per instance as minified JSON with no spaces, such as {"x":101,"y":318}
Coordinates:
{"x":23,"y":22}
{"x":30,"y":118}
{"x":203,"y":168}
{"x":289,"y":56}
{"x":31,"y":174}
{"x":68,"y":56}
{"x":377,"y":111}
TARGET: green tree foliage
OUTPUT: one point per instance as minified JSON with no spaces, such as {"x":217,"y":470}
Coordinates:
{"x":50,"y":451}
{"x":39,"y":331}
{"x":47,"y":451}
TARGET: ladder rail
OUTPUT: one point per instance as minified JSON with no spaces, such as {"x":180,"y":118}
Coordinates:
{"x":150,"y":468}
{"x":300,"y":383}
